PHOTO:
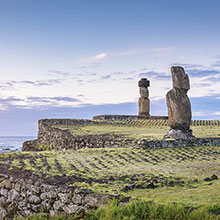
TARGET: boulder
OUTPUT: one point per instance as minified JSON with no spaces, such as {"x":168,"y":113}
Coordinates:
{"x":70,"y":209}
{"x":3,"y":213}
{"x":34,"y":199}
{"x":13,"y":196}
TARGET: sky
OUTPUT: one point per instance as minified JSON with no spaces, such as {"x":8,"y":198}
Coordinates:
{"x":80,"y":58}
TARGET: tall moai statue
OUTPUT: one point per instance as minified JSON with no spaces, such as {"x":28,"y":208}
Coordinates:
{"x":144,"y":102}
{"x":179,"y":107}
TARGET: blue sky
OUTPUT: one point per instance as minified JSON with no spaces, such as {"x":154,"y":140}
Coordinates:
{"x":77,"y":59}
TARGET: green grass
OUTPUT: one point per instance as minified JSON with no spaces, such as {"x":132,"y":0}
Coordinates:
{"x":125,"y":166}
{"x":193,"y":162}
{"x":142,"y":210}
{"x":192,"y":195}
{"x":137,"y":129}
{"x":109,"y":170}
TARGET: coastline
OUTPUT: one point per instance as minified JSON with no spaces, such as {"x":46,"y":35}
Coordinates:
{"x":12,"y":143}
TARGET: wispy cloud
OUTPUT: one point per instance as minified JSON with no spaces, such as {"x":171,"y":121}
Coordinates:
{"x":6,"y":103}
{"x":216,"y":113}
{"x":12,"y":84}
{"x":216,"y":64}
{"x":52,"y":99}
{"x":59,"y":72}
{"x":199,"y":113}
{"x":154,"y":75}
{"x":106,"y":77}
{"x":99,"y":56}
{"x":188,"y":66}
{"x":34,"y":102}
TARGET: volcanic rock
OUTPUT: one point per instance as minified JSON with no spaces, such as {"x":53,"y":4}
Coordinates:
{"x":179,"y":107}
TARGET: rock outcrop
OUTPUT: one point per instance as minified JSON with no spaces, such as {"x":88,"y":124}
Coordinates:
{"x":144,"y":102}
{"x":179,"y":107}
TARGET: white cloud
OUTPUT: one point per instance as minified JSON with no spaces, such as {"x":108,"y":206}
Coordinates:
{"x":216,"y":113}
{"x":97,"y":57}
{"x":199,"y":113}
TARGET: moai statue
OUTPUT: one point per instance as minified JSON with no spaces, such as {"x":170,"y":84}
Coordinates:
{"x":144,"y":102}
{"x":179,"y":107}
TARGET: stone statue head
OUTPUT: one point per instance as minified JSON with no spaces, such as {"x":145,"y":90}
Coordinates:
{"x":180,"y":78}
{"x":144,"y":92}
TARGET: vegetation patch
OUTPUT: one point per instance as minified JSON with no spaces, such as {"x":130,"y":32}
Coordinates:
{"x":162,"y":175}
{"x":141,"y":210}
{"x":140,"y":128}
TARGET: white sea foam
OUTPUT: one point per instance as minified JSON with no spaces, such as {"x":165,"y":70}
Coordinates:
{"x":12,"y":143}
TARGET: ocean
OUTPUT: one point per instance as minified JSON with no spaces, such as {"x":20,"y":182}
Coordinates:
{"x":13,"y":143}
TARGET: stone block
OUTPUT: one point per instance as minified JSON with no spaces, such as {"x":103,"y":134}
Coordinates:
{"x":144,"y":82}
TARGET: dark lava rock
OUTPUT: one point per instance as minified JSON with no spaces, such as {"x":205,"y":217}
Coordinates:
{"x":145,"y":186}
{"x":207,"y":179}
{"x":171,"y":183}
{"x":111,"y":178}
{"x":83,"y":191}
{"x":214,"y":177}
{"x":150,"y":186}
{"x":180,"y":183}
{"x":125,"y":199}
{"x":128,"y":187}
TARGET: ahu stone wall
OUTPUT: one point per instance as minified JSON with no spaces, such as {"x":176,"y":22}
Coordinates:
{"x":50,"y":137}
{"x":21,"y":198}
{"x":59,"y":139}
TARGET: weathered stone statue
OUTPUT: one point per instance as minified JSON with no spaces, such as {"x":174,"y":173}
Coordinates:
{"x":179,"y":107}
{"x":144,"y":102}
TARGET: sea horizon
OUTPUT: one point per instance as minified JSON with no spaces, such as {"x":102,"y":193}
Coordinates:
{"x":13,"y":143}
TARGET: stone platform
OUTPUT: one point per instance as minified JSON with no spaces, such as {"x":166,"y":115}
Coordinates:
{"x":128,"y":117}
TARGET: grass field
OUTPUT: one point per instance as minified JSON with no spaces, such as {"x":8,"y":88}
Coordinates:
{"x":163,"y":175}
{"x":152,"y":129}
{"x":174,"y":172}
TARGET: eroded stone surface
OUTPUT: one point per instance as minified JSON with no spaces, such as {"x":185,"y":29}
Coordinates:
{"x":179,"y":107}
{"x":3,"y":213}
{"x":180,"y":78}
{"x":144,"y":106}
{"x":143,"y":101}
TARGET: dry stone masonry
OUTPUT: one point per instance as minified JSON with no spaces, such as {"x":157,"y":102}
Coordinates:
{"x":58,"y":139}
{"x":179,"y":107}
{"x":20,"y":197}
{"x":144,"y":101}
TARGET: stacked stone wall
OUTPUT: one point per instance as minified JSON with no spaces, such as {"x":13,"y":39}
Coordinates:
{"x":128,"y":117}
{"x":147,"y":144}
{"x":59,"y":139}
{"x":19,"y":197}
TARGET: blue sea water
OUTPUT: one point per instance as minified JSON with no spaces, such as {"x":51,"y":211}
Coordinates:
{"x":13,"y":143}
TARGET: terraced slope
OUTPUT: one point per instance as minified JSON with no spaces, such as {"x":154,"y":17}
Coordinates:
{"x":176,"y":174}
{"x":134,"y":172}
